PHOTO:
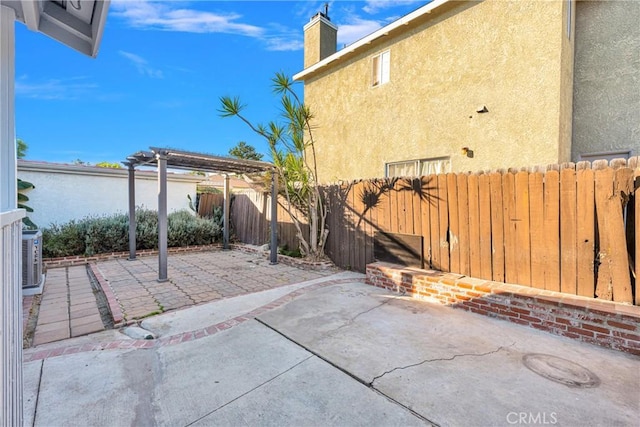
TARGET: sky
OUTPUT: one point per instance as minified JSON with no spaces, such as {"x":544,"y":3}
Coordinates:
{"x":161,"y":69}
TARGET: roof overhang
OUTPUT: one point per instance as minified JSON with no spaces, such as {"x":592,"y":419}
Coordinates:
{"x":188,"y":160}
{"x":362,"y":44}
{"x":78,"y":24}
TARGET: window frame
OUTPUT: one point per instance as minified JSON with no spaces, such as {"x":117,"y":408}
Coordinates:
{"x":417,"y":165}
{"x":605,"y":155}
{"x":381,"y":68}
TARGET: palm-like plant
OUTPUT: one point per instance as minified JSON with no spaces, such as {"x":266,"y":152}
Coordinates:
{"x":290,"y":143}
{"x":22,"y":199}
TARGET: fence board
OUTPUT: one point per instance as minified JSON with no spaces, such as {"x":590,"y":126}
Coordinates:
{"x":351,"y":224}
{"x":434,"y":218}
{"x":522,"y":224}
{"x":551,"y":230}
{"x":585,"y":233}
{"x":454,"y":224}
{"x":371,"y":223}
{"x":393,"y":206}
{"x":568,"y":243}
{"x":484,"y":206}
{"x":497,"y":227}
{"x":426,"y":198}
{"x":510,"y":232}
{"x":443,"y":223}
{"x":613,"y":282}
{"x":416,"y":221}
{"x":360,"y":227}
{"x":463,"y":223}
{"x":536,"y":222}
{"x":475,"y":260}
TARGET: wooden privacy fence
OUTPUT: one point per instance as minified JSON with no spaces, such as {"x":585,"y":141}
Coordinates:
{"x":251,"y":216}
{"x":568,"y":228}
{"x":207,"y":202}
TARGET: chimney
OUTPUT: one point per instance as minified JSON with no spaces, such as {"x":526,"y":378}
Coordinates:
{"x":320,"y":38}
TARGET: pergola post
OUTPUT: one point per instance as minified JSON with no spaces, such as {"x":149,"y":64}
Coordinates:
{"x":225,"y":214}
{"x":162,"y":217}
{"x":132,"y":212}
{"x":274,"y":218}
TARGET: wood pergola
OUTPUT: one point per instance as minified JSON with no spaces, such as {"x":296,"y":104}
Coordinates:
{"x":164,"y":158}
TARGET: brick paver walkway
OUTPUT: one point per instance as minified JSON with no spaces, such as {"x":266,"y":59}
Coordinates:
{"x":68,"y":307}
{"x":193,"y":278}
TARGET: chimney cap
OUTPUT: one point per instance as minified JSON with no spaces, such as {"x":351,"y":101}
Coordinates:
{"x":324,"y":14}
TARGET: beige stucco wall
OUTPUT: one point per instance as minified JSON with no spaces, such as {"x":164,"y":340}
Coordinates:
{"x":607,"y":78}
{"x":505,"y":55}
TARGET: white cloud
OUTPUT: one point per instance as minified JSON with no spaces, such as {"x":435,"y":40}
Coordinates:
{"x":168,"y":16}
{"x":54,"y":89}
{"x":375,"y":6}
{"x":355,"y":29}
{"x":142,"y":65}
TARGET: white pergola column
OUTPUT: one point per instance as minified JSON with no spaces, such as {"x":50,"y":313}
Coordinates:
{"x":132,"y":212}
{"x":10,"y":235}
{"x":162,"y":217}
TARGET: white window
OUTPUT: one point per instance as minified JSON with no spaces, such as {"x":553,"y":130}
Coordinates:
{"x":422,"y":167}
{"x":381,"y":66}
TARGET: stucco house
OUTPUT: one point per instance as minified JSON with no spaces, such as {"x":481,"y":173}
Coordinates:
{"x":473,"y":85}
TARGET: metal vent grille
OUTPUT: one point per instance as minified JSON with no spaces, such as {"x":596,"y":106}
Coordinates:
{"x":31,"y":258}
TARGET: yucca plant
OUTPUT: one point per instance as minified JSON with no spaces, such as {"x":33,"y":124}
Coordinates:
{"x":24,"y":186}
{"x":290,"y":145}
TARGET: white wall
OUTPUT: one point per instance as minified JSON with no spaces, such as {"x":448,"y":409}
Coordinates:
{"x":65,"y":192}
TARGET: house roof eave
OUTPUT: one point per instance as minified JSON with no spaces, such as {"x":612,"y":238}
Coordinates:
{"x":361,"y":44}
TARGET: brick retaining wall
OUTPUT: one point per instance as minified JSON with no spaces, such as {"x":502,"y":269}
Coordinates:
{"x":603,"y":323}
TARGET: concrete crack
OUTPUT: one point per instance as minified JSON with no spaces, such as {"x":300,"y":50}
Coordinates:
{"x":455,"y":356}
{"x":352,"y":320}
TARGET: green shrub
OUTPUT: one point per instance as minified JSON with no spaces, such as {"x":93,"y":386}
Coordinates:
{"x":146,"y":229}
{"x":107,"y":234}
{"x":64,"y":240}
{"x":95,"y":235}
{"x":184,"y":229}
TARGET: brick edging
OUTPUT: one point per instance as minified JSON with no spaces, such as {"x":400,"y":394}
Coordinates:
{"x":71,"y":261}
{"x":603,"y":323}
{"x":112,"y":300}
{"x":32,"y":354}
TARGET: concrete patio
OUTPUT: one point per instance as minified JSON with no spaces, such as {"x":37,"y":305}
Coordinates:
{"x":330,"y":351}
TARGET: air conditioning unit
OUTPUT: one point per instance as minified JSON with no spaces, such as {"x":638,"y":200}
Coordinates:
{"x":32,"y":277}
